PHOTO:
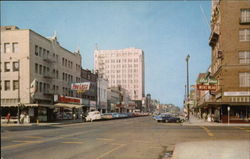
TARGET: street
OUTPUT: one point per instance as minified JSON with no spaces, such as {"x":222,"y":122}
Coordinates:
{"x":134,"y":138}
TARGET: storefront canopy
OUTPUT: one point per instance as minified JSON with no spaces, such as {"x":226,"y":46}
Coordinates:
{"x":68,"y":105}
{"x":29,"y":105}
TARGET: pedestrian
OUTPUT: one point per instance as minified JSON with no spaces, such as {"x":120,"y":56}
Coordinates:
{"x":8,"y":118}
{"x":22,"y":117}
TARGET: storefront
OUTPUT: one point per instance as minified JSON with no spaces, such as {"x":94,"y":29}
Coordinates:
{"x":67,"y":108}
{"x":221,"y":112}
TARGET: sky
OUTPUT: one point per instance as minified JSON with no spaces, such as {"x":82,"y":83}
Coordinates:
{"x":167,"y":31}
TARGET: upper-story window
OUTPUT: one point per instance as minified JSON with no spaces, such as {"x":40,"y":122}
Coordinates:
{"x":15,"y":47}
{"x":7,"y":85}
{"x":6,"y":47}
{"x":244,"y":79}
{"x":15,"y":66}
{"x":15,"y":85}
{"x":40,"y":51}
{"x":245,"y":15}
{"x":6,"y":66}
{"x":244,"y":57}
{"x":244,"y":34}
{"x":36,"y":50}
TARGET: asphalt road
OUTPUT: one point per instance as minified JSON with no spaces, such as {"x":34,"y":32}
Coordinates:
{"x":135,"y":138}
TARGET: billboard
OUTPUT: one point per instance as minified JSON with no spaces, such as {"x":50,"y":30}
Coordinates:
{"x":84,"y":86}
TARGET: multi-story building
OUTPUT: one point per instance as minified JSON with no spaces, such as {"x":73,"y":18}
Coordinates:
{"x":230,"y":43}
{"x":123,"y":68}
{"x":102,"y":95}
{"x":89,"y":96}
{"x":34,"y":69}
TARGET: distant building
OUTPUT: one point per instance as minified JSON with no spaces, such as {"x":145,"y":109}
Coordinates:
{"x":123,"y":68}
{"x":36,"y":75}
{"x":229,"y":40}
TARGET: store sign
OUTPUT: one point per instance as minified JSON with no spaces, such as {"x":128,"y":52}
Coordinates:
{"x":66,"y":99}
{"x":236,"y":93}
{"x":80,"y":86}
{"x":92,"y":103}
{"x":206,"y":87}
{"x":208,"y":80}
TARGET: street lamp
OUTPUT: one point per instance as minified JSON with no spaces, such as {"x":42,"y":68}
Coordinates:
{"x":187,"y":59}
{"x":228,"y":115}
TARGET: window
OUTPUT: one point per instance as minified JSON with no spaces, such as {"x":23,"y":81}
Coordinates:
{"x":44,"y":53}
{"x":40,"y":86}
{"x":244,"y":57}
{"x":57,"y":74}
{"x":63,"y":61}
{"x":15,"y":66}
{"x":7,"y":85}
{"x":14,"y":47}
{"x":15,"y":85}
{"x":244,"y":34}
{"x":40,"y":69}
{"x":44,"y":70}
{"x":36,"y":50}
{"x":244,"y":79}
{"x":6,"y":47}
{"x":36,"y":68}
{"x":7,"y":66}
{"x":245,"y":16}
{"x":40,"y":51}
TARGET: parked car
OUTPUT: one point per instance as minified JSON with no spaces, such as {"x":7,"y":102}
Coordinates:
{"x":107,"y":116}
{"x":95,"y":115}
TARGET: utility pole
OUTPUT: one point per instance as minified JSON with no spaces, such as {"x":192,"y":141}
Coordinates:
{"x":187,"y":59}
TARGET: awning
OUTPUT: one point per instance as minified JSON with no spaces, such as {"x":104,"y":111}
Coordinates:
{"x":218,"y":104}
{"x":29,"y":105}
{"x":68,"y":105}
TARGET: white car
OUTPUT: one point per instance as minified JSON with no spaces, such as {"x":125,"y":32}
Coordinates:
{"x":95,"y":115}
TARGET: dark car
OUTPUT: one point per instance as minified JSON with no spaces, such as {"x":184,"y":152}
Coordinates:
{"x":167,"y":118}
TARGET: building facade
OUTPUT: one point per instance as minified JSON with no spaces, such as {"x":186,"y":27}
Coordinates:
{"x":89,"y":97}
{"x":33,"y":70}
{"x":229,"y":40}
{"x":123,"y":68}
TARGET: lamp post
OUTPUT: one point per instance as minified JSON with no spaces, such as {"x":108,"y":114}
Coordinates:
{"x":187,"y":59}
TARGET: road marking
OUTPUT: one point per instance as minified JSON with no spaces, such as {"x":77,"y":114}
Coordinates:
{"x":48,"y":140}
{"x":34,"y":137}
{"x":27,"y":141}
{"x":14,"y":146}
{"x":209,"y":133}
{"x":142,"y":142}
{"x":246,"y":129}
{"x":104,"y":139}
{"x":112,"y":150}
{"x":70,"y":142}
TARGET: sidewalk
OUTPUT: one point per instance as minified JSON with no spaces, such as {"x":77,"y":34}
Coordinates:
{"x":212,"y":150}
{"x":193,"y":121}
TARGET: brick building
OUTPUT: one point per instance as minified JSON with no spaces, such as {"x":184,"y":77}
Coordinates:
{"x":230,"y":65}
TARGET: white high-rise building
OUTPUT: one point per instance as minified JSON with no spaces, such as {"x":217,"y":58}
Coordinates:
{"x":123,"y":67}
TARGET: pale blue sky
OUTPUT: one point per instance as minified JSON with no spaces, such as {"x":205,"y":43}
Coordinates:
{"x":166,"y":30}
